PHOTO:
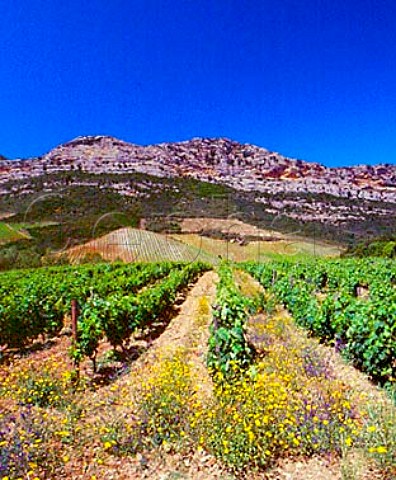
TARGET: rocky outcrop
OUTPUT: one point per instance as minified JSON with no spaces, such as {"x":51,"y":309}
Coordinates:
{"x":244,"y":167}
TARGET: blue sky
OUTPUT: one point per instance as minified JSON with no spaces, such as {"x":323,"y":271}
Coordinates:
{"x":314,"y":80}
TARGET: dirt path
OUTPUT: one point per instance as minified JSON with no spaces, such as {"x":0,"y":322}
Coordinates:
{"x":188,"y":331}
{"x":182,"y":330}
{"x":247,"y":284}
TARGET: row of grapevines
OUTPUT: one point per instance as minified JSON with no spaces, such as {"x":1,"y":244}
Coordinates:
{"x":227,"y":342}
{"x":36,"y":304}
{"x":323,"y":297}
{"x":117,"y":316}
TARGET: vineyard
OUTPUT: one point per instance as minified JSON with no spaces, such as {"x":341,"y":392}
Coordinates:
{"x":35,"y":303}
{"x":269,"y":370}
{"x":131,"y":245}
{"x":350,"y":304}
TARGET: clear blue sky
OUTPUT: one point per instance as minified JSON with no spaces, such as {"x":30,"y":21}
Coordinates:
{"x":314,"y":80}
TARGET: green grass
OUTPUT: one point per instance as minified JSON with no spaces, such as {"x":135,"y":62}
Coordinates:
{"x":10,"y":233}
{"x":32,"y":225}
{"x":300,"y":249}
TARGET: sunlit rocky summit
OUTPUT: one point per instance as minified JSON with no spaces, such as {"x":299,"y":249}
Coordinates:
{"x":279,"y":183}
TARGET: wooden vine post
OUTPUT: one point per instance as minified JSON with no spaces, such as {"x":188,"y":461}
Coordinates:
{"x":74,"y":320}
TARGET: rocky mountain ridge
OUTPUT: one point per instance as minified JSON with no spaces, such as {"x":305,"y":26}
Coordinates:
{"x":241,"y":166}
{"x":304,"y":191}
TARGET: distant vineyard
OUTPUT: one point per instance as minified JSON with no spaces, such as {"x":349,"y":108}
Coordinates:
{"x":351,"y":303}
{"x":131,"y":245}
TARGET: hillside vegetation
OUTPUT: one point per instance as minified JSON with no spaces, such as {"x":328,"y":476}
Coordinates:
{"x":11,"y":233}
{"x":382,"y":247}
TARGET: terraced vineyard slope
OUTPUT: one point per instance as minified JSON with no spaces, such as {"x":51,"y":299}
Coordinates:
{"x":131,"y":245}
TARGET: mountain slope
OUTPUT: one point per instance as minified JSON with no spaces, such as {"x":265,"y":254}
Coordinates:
{"x":241,"y":166}
{"x":130,"y":245}
{"x":262,"y":187}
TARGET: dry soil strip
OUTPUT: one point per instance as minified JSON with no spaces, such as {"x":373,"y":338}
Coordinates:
{"x":188,"y":330}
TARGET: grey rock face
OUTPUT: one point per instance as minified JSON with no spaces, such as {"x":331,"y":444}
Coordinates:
{"x":244,"y":167}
